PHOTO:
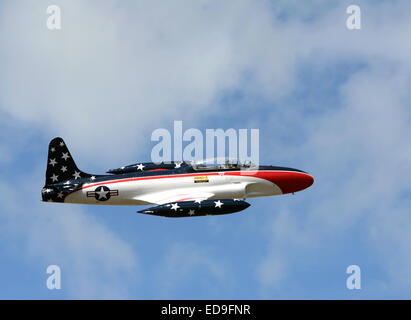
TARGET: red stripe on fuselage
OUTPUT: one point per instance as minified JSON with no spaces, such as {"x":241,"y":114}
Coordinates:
{"x":287,"y":181}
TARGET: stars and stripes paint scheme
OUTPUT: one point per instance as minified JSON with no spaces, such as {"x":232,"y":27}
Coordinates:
{"x":178,"y":189}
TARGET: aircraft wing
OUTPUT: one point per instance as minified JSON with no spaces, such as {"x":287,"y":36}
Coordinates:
{"x":174,"y":196}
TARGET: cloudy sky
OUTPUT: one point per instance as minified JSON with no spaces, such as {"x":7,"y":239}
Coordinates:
{"x":328,"y":100}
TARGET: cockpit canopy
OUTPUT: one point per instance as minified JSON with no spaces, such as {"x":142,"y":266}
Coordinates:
{"x":218,"y":163}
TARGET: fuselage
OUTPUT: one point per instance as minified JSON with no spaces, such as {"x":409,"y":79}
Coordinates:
{"x":182,"y":184}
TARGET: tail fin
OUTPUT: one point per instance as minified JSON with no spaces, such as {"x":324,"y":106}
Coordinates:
{"x":60,"y":164}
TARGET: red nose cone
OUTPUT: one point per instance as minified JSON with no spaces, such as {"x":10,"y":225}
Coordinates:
{"x":290,"y":182}
{"x":287,"y":181}
{"x":303,"y":181}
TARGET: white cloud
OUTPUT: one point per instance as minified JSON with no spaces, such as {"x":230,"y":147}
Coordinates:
{"x":272,"y":271}
{"x":113,"y":72}
{"x":95,"y":262}
{"x":358,"y":152}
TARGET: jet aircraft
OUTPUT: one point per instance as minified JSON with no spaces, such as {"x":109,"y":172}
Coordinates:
{"x":174,"y":189}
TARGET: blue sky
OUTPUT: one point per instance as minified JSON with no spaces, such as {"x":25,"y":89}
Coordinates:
{"x":326,"y":100}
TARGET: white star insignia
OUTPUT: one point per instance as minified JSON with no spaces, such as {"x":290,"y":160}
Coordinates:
{"x":65,"y":156}
{"x":174,"y":206}
{"x":140,"y":167}
{"x":61,"y":143}
{"x":218,"y":204}
{"x":102,"y":194}
{"x":46,"y":190}
{"x":76,"y":175}
{"x":60,"y":195}
{"x":53,"y":162}
{"x":64,"y":168}
{"x":198,"y":201}
{"x":178,"y":165}
{"x":191,"y":212}
{"x":92,"y":178}
{"x":53,"y":149}
{"x":54,"y":177}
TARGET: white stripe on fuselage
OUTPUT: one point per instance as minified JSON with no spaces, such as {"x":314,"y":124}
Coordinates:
{"x":156,"y":189}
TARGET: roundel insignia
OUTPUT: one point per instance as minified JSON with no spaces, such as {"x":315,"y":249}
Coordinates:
{"x":102,"y":193}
